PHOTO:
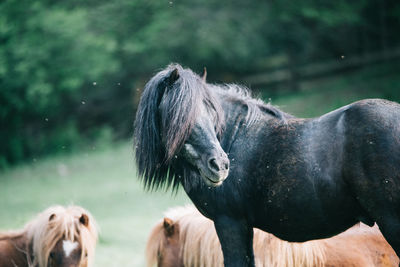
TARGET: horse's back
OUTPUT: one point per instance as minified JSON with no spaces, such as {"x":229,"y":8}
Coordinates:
{"x":374,"y":114}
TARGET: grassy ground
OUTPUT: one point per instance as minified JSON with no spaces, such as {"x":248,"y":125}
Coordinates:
{"x":104,"y":181}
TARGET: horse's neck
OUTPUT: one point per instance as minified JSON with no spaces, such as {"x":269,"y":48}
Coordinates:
{"x":13,"y":250}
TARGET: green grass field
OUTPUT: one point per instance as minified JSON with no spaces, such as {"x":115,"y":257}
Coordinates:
{"x":104,"y":180}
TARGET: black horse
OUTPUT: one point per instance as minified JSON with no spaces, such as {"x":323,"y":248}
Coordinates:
{"x":299,"y":179}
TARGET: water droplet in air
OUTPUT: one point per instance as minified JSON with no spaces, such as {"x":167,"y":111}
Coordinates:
{"x":176,"y":156}
{"x":119,"y":83}
{"x":94,"y":83}
{"x":205,"y":204}
{"x":170,"y":2}
{"x":83,"y":102}
{"x":342,"y":56}
{"x":63,"y":147}
{"x":46,"y":119}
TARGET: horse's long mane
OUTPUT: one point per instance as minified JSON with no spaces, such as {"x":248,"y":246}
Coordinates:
{"x":255,"y":107}
{"x":200,"y":245}
{"x":43,"y":233}
{"x":154,"y":244}
{"x":166,"y":114}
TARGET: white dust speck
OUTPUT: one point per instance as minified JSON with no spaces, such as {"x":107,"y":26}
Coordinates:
{"x":94,"y":83}
{"x":83,"y":102}
{"x":46,"y":119}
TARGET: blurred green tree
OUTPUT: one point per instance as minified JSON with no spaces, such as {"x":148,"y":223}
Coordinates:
{"x":70,"y":68}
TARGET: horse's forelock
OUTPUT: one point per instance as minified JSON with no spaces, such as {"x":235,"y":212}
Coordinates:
{"x":179,"y":111}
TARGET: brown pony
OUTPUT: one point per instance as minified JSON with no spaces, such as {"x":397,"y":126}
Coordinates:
{"x":57,"y":237}
{"x":187,"y":238}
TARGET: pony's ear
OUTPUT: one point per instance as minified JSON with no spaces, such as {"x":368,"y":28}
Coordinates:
{"x":204,"y":75}
{"x":172,"y":77}
{"x":169,"y":80}
{"x":51,"y":217}
{"x":84,"y":219}
{"x":169,"y":227}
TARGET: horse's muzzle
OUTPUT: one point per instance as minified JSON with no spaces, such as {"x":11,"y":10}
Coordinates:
{"x":218,"y":168}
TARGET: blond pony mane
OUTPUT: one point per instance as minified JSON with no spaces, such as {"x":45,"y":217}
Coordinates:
{"x":154,"y":244}
{"x":43,"y":233}
{"x":200,"y":245}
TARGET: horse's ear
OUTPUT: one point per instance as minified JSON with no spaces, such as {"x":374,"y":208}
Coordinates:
{"x":169,"y":227}
{"x":172,"y":77}
{"x":84,"y":219}
{"x":204,"y":75}
{"x":169,"y":80}
{"x":51,"y":217}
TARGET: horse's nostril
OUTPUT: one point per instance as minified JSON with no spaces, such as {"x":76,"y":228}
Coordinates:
{"x":213,"y":164}
{"x":226,"y":165}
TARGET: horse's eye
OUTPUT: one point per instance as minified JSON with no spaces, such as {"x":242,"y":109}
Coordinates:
{"x":51,"y":255}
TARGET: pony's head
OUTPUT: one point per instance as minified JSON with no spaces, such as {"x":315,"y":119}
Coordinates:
{"x":178,"y":123}
{"x":164,"y":247}
{"x":61,"y":237}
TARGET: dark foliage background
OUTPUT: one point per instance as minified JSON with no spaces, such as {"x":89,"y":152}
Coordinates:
{"x":71,"y":72}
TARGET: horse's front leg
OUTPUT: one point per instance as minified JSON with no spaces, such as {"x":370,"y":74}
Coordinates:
{"x":236,"y":239}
